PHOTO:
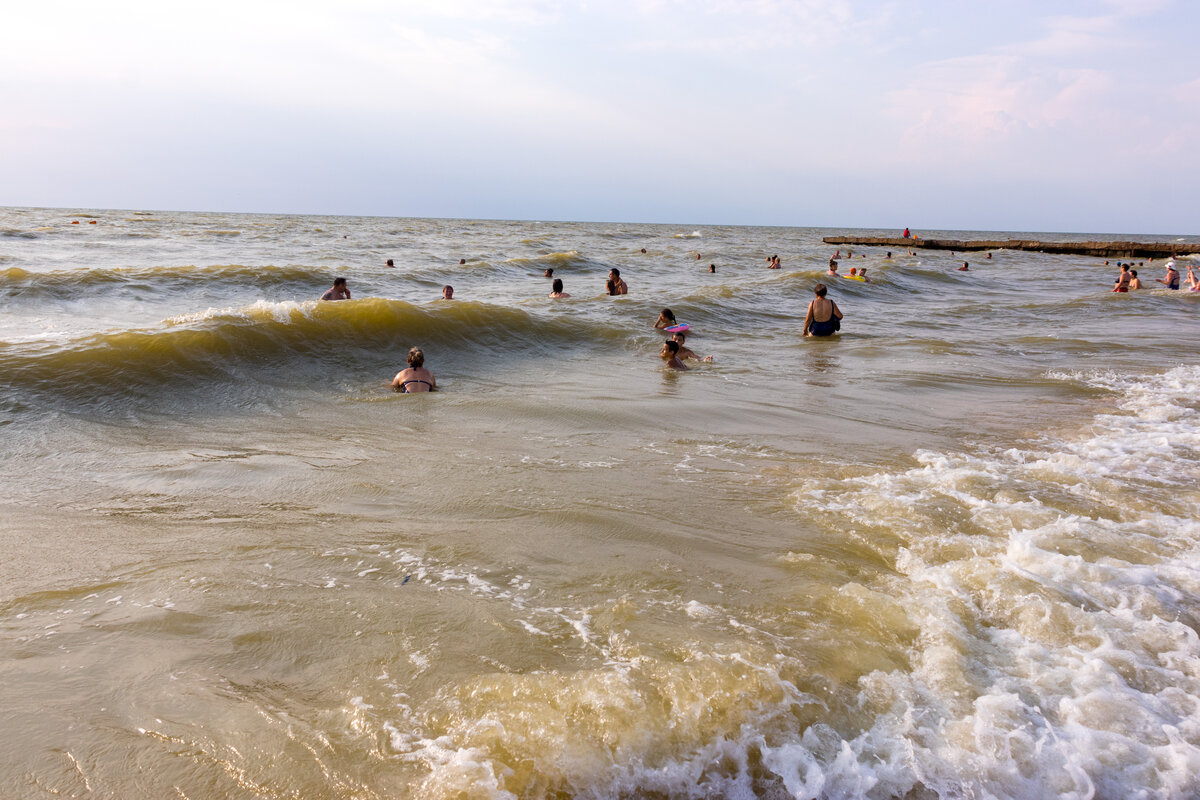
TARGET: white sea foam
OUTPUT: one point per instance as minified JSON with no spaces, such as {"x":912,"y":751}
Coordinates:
{"x":281,"y":311}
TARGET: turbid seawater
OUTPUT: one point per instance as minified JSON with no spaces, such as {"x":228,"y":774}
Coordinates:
{"x":952,"y":551}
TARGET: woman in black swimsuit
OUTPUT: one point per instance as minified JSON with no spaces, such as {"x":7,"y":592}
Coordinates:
{"x":822,"y":306}
{"x":415,"y":378}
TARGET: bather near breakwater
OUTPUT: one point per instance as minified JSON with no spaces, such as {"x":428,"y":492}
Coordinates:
{"x":948,"y":552}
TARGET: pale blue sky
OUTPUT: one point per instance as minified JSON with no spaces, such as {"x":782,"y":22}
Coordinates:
{"x":939,"y":114}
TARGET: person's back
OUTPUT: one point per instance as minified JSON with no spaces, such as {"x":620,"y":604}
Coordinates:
{"x":414,"y":378}
{"x":823,"y":317}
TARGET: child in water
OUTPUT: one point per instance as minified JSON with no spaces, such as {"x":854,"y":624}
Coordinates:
{"x":684,"y":350}
{"x":665,"y":319}
{"x":670,"y":354}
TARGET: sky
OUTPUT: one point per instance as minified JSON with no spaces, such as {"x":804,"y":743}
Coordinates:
{"x":1021,"y":115}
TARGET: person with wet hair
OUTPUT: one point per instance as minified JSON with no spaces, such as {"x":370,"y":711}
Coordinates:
{"x":1134,"y":281}
{"x":447,"y":292}
{"x":415,"y":378}
{"x":340,"y":290}
{"x":823,"y":317}
{"x":614,"y":275}
{"x":670,"y":354}
{"x":666,"y":318}
{"x":556,"y":290}
{"x":684,"y":351}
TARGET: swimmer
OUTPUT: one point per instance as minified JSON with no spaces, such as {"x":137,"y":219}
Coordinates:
{"x":685,"y":351}
{"x":712,"y":267}
{"x":964,"y":267}
{"x":822,"y":306}
{"x":1135,"y":282}
{"x":447,"y":292}
{"x":615,"y":275}
{"x":666,"y":318}
{"x":853,"y":272}
{"x":832,"y":267}
{"x":340,"y":290}
{"x":862,"y":273}
{"x":889,"y":254}
{"x":670,"y":354}
{"x":988,"y":256}
{"x":697,"y":256}
{"x":556,"y":290}
{"x":549,"y":273}
{"x":1171,"y":279}
{"x":643,"y":250}
{"x":1192,"y":282}
{"x":415,"y":378}
{"x":390,"y":263}
{"x":462,"y":261}
{"x":1122,"y":284}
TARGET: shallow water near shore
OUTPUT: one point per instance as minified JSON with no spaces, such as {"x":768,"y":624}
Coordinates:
{"x":949,"y":552}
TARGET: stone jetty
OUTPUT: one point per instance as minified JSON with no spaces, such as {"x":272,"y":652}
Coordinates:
{"x":1097,"y":249}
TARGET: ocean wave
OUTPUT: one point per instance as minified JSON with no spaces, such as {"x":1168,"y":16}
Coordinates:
{"x":309,"y":340}
{"x":77,"y":284}
{"x":1050,"y":593}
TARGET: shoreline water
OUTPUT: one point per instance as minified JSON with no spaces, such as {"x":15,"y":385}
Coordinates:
{"x":949,"y":551}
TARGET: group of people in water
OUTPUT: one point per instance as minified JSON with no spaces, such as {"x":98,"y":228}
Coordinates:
{"x":822,"y":317}
{"x":1129,"y":281}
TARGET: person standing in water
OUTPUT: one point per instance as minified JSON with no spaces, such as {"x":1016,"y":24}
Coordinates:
{"x":340,"y":290}
{"x":414,"y":378}
{"x":556,"y":290}
{"x":1135,"y":282}
{"x":619,"y":285}
{"x":1171,"y":279}
{"x":1122,"y":284}
{"x":823,"y":317}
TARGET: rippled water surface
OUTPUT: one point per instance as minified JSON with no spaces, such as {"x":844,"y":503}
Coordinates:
{"x":951,"y":552}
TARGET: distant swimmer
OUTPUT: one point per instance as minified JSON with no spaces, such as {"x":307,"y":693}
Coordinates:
{"x":415,"y":378}
{"x":1192,"y":282}
{"x":712,"y":267}
{"x":1134,"y":281}
{"x":854,"y":272}
{"x":1171,"y":279}
{"x":666,"y":318}
{"x":462,"y":261}
{"x":685,"y":351}
{"x":1122,"y":284}
{"x":390,"y":263}
{"x":643,"y":250}
{"x":340,"y":290}
{"x":988,"y":256}
{"x":965,"y":267}
{"x":556,"y":290}
{"x":619,"y":286}
{"x":697,"y":256}
{"x":832,"y":267}
{"x":889,"y":254}
{"x":549,"y":273}
{"x":670,"y":354}
{"x":818,"y":307}
{"x":447,"y":292}
{"x":862,"y":274}
{"x":773,"y":263}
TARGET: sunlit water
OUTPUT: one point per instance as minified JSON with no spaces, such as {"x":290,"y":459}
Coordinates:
{"x":951,"y":552}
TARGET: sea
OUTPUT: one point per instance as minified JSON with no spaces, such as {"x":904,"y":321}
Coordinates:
{"x":952,"y":551}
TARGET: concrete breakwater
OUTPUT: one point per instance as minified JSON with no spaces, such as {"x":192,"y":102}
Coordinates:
{"x":1097,"y":249}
